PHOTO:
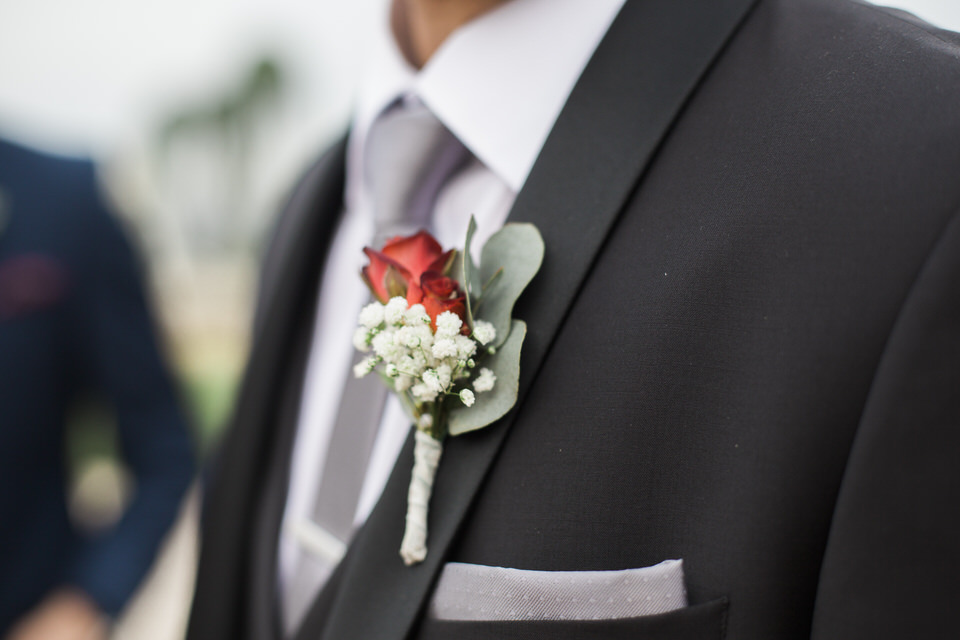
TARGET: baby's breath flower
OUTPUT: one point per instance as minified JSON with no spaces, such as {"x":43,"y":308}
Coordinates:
{"x":384,"y":345}
{"x":401,"y":383}
{"x":484,"y":381}
{"x":423,"y":393}
{"x":365,"y":366}
{"x":361,"y":339}
{"x":425,"y":333}
{"x":409,"y":337}
{"x":467,"y":397}
{"x":371,"y":315}
{"x":465,"y":347}
{"x":416,"y":315}
{"x":444,"y":348}
{"x":408,"y":365}
{"x":394,"y":311}
{"x":444,"y":374}
{"x":448,"y":324}
{"x":484,"y":332}
{"x":391,"y":370}
{"x":431,"y":378}
{"x":425,"y":421}
{"x":414,"y":363}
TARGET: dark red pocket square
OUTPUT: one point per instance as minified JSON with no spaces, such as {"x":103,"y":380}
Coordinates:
{"x":30,"y":282}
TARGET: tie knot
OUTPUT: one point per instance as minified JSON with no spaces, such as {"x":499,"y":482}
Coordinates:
{"x":409,"y":155}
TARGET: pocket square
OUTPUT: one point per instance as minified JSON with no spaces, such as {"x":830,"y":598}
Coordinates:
{"x":30,"y":282}
{"x":477,"y":592}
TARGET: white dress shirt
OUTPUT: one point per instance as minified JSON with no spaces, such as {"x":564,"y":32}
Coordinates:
{"x":498,"y":83}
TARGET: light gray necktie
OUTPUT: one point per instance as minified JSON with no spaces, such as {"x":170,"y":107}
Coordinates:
{"x":409,"y":155}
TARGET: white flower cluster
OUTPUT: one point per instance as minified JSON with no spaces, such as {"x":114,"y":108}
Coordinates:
{"x":415,"y":360}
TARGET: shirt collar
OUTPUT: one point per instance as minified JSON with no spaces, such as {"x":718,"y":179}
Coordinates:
{"x":499,"y":82}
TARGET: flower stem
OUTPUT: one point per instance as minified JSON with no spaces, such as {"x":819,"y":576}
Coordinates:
{"x":426,"y":458}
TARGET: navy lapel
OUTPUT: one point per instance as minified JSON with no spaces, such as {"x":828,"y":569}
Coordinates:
{"x":299,"y":247}
{"x":6,"y":212}
{"x":653,"y":56}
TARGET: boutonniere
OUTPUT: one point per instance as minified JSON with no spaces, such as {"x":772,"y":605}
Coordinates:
{"x":441,"y":336}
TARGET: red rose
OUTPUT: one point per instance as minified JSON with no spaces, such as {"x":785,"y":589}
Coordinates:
{"x":415,"y":267}
{"x":401,"y":262}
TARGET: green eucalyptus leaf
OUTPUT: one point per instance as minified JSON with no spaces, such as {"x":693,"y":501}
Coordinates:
{"x":448,"y":267}
{"x":467,"y":272}
{"x":517,"y":249}
{"x":492,"y":405}
{"x":457,"y":272}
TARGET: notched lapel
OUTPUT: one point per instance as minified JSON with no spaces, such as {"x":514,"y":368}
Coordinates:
{"x":636,"y":84}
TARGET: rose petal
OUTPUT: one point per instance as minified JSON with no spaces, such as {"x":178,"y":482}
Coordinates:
{"x":375,"y":273}
{"x":416,"y":253}
{"x":440,"y":286}
{"x":441,"y":293}
{"x":414,"y":294}
{"x":436,"y":306}
{"x":443,"y":263}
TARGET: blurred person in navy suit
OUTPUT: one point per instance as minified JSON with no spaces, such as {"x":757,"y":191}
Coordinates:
{"x":74,"y":319}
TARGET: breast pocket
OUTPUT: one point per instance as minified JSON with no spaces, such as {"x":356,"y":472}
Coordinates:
{"x":475,"y":601}
{"x":700,"y":622}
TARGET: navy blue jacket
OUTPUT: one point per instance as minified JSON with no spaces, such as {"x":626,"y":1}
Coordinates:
{"x":74,"y":320}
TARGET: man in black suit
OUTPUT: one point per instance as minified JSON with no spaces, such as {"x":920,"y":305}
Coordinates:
{"x":743,"y":348}
{"x":75,"y":325}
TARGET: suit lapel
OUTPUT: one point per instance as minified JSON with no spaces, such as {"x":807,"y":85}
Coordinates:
{"x":652,"y":58}
{"x":262,"y":612}
{"x":301,"y":242}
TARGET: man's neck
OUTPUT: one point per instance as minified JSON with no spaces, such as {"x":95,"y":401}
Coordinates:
{"x":421,"y":26}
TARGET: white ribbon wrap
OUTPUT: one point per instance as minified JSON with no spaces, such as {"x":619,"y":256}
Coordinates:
{"x":426,"y":458}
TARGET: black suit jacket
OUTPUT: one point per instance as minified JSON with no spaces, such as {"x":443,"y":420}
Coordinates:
{"x":744,"y":346}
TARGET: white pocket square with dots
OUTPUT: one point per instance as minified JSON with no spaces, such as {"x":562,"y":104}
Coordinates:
{"x":476,"y":592}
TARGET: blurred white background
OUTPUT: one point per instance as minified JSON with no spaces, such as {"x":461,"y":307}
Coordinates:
{"x":89,"y":76}
{"x":84,"y":75}
{"x":201,"y":113}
